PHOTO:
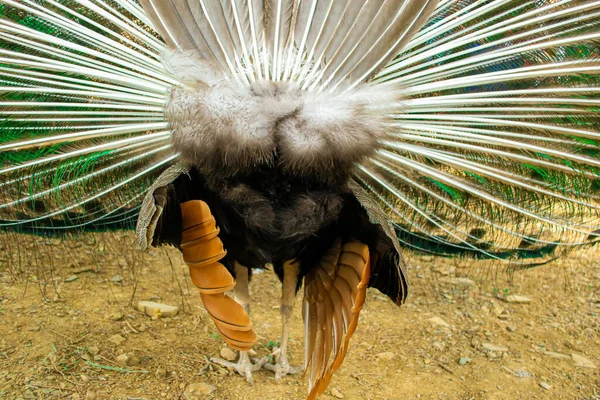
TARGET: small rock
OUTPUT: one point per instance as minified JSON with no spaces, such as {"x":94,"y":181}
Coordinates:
{"x":464,"y":361}
{"x":544,"y":385}
{"x":122,"y":360}
{"x":116,"y":316}
{"x":90,"y":395}
{"x":82,"y":270}
{"x":439,"y":322}
{"x":514,"y":298}
{"x":227,"y":354}
{"x":445,"y":270}
{"x":72,"y":278}
{"x":337,"y":394}
{"x":117,"y":278}
{"x":161,"y":372}
{"x":93,"y":350}
{"x":520,"y":373}
{"x":387,"y":356}
{"x":464,"y":282}
{"x":157,"y":310}
{"x":581,"y":361}
{"x":133,"y":360}
{"x":116,"y":339}
{"x":557,"y":355}
{"x":498,"y":309}
{"x":511,"y":328}
{"x":493,"y":347}
{"x":197,"y":391}
{"x":438,"y":345}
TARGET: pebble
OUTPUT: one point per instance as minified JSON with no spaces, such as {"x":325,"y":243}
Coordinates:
{"x":464,"y":361}
{"x":122,"y":360}
{"x":93,"y":350}
{"x":116,"y":339}
{"x":498,"y":309}
{"x":493,"y":347}
{"x":90,"y":395}
{"x":387,"y":356}
{"x":117,"y":278}
{"x":514,"y":298}
{"x":439,"y":322}
{"x":544,"y":385}
{"x":581,"y":361}
{"x":72,"y":278}
{"x":557,"y":355}
{"x":520,"y":373}
{"x":511,"y":328}
{"x":228,"y":354}
{"x":198,"y":391}
{"x":337,"y":394}
{"x":156,"y":310}
{"x":438,"y":345}
{"x":133,"y":360}
{"x":465,"y":282}
{"x":161,"y":372}
{"x":116,"y":316}
{"x":82,"y":270}
{"x":445,"y":270}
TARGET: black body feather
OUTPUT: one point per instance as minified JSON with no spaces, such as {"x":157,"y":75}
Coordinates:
{"x":268,"y":217}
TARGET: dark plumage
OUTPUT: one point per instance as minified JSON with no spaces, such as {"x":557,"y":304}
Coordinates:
{"x":270,"y":216}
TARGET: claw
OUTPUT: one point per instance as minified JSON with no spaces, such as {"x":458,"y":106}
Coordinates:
{"x":281,"y":367}
{"x":244,"y":366}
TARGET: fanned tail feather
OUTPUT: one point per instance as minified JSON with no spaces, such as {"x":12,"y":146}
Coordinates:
{"x":491,"y":147}
{"x":81,"y":114}
{"x":495,"y":151}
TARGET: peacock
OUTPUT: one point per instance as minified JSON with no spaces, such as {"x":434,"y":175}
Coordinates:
{"x":317,"y":137}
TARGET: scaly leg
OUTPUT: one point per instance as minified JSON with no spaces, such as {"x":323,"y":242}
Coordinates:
{"x":291,"y":270}
{"x":243,"y":366}
{"x":241,"y":291}
{"x":241,"y":294}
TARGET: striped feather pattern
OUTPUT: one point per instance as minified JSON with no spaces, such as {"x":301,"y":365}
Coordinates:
{"x":494,"y":147}
{"x":497,"y":145}
{"x":82,"y":132}
{"x":320,"y":44}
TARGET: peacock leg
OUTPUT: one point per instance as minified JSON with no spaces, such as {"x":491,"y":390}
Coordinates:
{"x":241,"y":294}
{"x":241,"y":291}
{"x":291,"y":269}
{"x":202,"y":250}
{"x":243,"y":366}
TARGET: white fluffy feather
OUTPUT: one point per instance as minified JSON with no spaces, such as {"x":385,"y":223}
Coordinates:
{"x":250,"y":40}
{"x":219,"y":125}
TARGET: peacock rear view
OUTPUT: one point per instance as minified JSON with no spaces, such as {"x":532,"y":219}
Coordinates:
{"x":450,"y":127}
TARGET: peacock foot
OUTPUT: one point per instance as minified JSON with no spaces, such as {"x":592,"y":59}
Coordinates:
{"x":281,"y":367}
{"x":243,"y":366}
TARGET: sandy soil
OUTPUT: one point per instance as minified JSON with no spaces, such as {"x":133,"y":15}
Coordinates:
{"x":57,"y":336}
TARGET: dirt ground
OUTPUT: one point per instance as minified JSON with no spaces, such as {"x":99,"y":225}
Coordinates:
{"x":68,"y":315}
